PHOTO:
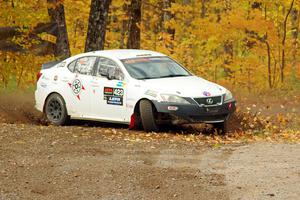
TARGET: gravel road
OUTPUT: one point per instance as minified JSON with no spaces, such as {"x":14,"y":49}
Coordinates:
{"x":85,"y":162}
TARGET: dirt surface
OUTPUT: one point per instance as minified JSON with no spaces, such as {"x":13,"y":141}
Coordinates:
{"x":38,"y":162}
{"x":104,"y":161}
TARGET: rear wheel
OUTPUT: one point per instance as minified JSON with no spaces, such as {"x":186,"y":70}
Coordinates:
{"x":55,"y":110}
{"x":222,"y":127}
{"x":147,"y":116}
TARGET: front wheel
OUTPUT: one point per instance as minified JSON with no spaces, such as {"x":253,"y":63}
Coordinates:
{"x":147,"y":116}
{"x":55,"y":110}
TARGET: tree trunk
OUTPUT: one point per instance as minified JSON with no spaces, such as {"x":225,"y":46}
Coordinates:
{"x":269,"y":65}
{"x":295,"y":32}
{"x":134,"y":36}
{"x":268,"y":47}
{"x":168,"y":16}
{"x":57,"y":16}
{"x":97,"y":25}
{"x":203,"y":9}
{"x":124,"y":28}
{"x":283,"y":42}
{"x":123,"y":34}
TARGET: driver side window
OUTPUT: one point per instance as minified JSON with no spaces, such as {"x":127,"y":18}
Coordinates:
{"x":105,"y":65}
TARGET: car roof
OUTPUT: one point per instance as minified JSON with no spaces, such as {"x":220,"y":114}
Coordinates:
{"x":125,"y":53}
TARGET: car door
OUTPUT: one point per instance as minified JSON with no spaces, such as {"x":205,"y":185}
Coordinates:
{"x":109,"y":96}
{"x":79,"y":88}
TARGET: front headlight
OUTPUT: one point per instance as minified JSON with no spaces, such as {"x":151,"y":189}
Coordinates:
{"x":170,"y":98}
{"x":228,"y":96}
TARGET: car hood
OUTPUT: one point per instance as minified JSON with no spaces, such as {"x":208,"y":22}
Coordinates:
{"x":188,"y":86}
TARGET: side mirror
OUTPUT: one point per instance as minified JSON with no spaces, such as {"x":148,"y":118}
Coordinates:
{"x":111,"y":73}
{"x":104,"y":73}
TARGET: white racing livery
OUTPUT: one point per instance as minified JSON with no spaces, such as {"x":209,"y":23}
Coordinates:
{"x":143,"y":89}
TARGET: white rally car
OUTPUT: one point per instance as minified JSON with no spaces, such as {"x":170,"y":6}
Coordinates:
{"x":135,"y":87}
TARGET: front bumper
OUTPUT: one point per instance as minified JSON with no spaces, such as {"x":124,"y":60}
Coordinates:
{"x":194,"y":113}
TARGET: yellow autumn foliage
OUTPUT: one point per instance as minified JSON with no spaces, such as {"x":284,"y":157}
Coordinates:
{"x":223,"y":41}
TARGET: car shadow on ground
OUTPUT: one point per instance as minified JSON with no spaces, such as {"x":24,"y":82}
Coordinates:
{"x":171,"y":129}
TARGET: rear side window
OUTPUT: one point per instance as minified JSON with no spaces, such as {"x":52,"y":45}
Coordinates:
{"x":71,"y":66}
{"x":85,"y":65}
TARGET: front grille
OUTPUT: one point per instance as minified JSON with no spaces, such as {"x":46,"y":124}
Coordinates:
{"x":208,"y":101}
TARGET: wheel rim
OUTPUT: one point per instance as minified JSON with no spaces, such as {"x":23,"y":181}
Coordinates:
{"x":54,"y":110}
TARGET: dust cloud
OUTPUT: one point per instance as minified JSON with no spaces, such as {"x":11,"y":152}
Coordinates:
{"x":18,"y":107}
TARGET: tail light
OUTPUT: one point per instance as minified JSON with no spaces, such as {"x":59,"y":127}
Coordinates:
{"x":38,"y":76}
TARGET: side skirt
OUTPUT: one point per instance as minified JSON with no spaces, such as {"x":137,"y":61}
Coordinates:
{"x":100,"y":120}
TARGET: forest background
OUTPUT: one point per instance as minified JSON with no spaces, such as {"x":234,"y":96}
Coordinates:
{"x":246,"y":45}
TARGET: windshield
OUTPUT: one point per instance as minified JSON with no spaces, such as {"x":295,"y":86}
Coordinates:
{"x":153,"y":67}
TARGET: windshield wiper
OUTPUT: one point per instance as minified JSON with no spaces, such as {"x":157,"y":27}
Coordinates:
{"x":144,"y":78}
{"x":174,"y":75}
{"x":167,"y":76}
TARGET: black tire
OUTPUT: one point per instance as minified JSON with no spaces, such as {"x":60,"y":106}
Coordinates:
{"x":147,"y":116}
{"x":55,"y":110}
{"x":221,"y":128}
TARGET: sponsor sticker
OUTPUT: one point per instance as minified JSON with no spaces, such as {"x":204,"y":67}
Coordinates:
{"x":207,"y":94}
{"x":118,"y":92}
{"x":112,"y":100}
{"x":108,"y":91}
{"x":76,"y":87}
{"x":113,"y":96}
{"x":136,"y":60}
{"x":121,"y":84}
